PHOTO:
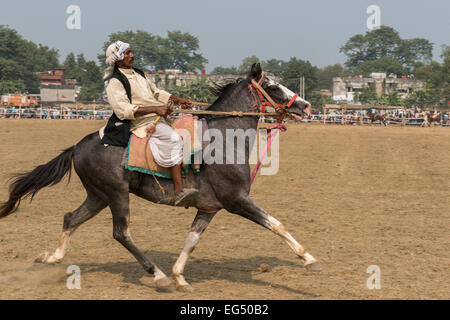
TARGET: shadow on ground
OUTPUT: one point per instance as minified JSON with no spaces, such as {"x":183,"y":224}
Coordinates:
{"x":199,"y":270}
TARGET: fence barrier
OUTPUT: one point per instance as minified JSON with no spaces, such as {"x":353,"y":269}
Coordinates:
{"x":104,"y":114}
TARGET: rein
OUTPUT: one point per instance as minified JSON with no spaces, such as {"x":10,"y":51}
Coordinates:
{"x":270,"y":136}
{"x":261,"y":102}
{"x":260,"y":105}
{"x":227,"y":113}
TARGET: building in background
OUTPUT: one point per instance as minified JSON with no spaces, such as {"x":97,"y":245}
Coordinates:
{"x":55,"y":88}
{"x":344,"y":89}
{"x":52,"y":77}
{"x":51,"y":94}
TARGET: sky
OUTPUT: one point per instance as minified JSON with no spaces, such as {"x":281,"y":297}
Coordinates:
{"x":229,"y":30}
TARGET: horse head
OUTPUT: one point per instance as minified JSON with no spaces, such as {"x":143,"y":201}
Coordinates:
{"x":292,"y":104}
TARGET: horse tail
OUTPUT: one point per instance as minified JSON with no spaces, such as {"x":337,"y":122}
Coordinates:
{"x":29,"y":183}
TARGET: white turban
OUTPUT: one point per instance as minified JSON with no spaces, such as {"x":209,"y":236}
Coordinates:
{"x":114,"y":53}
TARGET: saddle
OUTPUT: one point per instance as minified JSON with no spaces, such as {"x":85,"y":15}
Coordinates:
{"x":139,"y":156}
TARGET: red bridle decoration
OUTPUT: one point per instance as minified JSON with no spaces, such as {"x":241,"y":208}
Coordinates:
{"x":265,"y":100}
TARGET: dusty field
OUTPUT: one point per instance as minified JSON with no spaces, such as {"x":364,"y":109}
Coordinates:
{"x":353,"y":196}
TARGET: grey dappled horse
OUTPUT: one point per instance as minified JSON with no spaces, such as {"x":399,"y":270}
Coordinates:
{"x":108,"y":183}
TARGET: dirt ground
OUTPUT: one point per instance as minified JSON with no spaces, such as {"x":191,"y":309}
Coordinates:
{"x":353,"y":196}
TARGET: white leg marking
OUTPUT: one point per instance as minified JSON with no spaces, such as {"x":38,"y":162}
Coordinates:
{"x":280,"y":230}
{"x":60,"y":252}
{"x":159,"y":274}
{"x":189,"y":246}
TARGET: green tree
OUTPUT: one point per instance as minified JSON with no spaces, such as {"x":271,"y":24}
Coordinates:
{"x":385,"y":42}
{"x":293,"y":70}
{"x":382,"y":42}
{"x":198,"y":91}
{"x":11,"y":69}
{"x":71,"y":67}
{"x":410,"y":51}
{"x":273,"y":65}
{"x":431,"y":73}
{"x":246,"y":64}
{"x":225,"y":70}
{"x":356,"y":51}
{"x":177,"y":51}
{"x":445,"y":51}
{"x":11,"y":86}
{"x":20,"y":59}
{"x":386,"y":64}
{"x":88,"y":75}
{"x":91,"y":81}
{"x":444,"y":97}
{"x":318,"y":100}
{"x":422,"y":98}
{"x":366,"y":96}
{"x":145,"y":48}
{"x":437,"y":78}
{"x":326,"y":74}
{"x":81,"y":61}
{"x":392,"y":98}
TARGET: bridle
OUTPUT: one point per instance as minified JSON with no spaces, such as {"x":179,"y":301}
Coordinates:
{"x":263,"y":99}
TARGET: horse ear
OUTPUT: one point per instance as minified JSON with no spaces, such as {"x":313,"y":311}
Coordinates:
{"x":255,"y":71}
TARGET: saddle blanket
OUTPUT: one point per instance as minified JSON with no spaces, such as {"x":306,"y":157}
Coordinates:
{"x":139,"y":156}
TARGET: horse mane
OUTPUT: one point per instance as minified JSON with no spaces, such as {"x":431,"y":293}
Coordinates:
{"x":221,"y":87}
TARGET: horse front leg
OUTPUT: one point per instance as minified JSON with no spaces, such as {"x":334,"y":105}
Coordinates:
{"x":201,"y":221}
{"x":121,"y":220}
{"x":248,"y":209}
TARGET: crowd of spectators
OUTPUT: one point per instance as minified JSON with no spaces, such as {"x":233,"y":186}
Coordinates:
{"x":406,"y":116}
{"x":54,"y":113}
{"x":393,"y":116}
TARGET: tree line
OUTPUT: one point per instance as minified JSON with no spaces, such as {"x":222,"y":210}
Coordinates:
{"x":20,"y":59}
{"x":379,"y":50}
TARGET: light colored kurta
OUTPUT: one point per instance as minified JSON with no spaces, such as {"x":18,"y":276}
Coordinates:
{"x":166,"y":145}
{"x":144,"y":93}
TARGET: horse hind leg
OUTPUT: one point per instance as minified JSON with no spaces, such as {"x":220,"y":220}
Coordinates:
{"x":72,"y":220}
{"x":248,"y":209}
{"x":58,"y":255}
{"x":201,"y":221}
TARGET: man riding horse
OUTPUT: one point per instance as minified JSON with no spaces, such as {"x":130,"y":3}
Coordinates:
{"x":432,"y":116}
{"x":222,"y":186}
{"x":136,"y":103}
{"x":376,"y":115}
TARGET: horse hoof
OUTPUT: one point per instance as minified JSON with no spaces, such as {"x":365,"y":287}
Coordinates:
{"x":314,"y":267}
{"x":46,"y":258}
{"x":43,"y":257}
{"x":185,"y":288}
{"x":163,"y":283}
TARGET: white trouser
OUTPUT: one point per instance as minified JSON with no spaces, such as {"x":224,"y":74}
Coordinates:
{"x":166,"y":146}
